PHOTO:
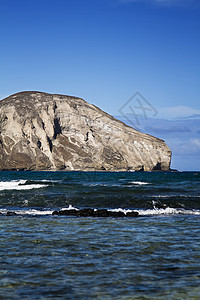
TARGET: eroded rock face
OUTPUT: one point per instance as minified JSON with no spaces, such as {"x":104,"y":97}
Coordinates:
{"x":40,"y":131}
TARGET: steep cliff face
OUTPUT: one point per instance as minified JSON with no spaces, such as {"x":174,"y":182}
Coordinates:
{"x":40,"y":131}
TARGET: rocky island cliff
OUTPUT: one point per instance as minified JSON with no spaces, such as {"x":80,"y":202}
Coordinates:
{"x":40,"y":131}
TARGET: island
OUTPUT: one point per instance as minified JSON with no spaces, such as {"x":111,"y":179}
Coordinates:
{"x":40,"y":131}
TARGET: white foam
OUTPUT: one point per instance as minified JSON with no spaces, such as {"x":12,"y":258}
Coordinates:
{"x":160,"y":211}
{"x":29,"y":212}
{"x":167,"y":211}
{"x":125,"y":211}
{"x":139,"y":182}
{"x":69,"y":208}
{"x":18,"y":185}
{"x":34,"y":212}
{"x":142,"y":212}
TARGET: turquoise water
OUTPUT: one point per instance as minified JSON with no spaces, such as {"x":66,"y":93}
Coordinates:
{"x":153,"y":256}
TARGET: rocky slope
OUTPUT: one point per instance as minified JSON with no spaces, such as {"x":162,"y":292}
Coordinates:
{"x":40,"y":131}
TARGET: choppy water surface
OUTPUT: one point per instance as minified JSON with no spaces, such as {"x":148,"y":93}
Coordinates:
{"x":153,"y":256}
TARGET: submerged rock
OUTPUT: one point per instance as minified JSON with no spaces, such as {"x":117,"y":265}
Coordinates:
{"x":11,"y":213}
{"x":89,"y":212}
{"x":40,"y":131}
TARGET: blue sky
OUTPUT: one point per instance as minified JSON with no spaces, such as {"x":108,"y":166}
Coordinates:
{"x":104,"y":51}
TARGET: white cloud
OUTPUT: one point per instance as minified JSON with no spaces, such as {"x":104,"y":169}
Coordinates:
{"x":196,"y":142}
{"x":177,"y":112}
{"x":190,"y":147}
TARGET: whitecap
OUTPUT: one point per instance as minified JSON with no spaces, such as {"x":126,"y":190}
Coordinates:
{"x":28,"y":212}
{"x":167,"y":211}
{"x":69,"y":208}
{"x":18,"y":185}
{"x":139,"y":182}
{"x":160,"y":211}
{"x":125,"y":211}
{"x":34,"y":212}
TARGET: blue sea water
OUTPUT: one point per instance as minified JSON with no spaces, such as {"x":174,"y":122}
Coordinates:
{"x":153,"y":256}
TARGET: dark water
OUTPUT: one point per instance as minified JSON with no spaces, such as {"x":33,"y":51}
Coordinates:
{"x":153,"y":256}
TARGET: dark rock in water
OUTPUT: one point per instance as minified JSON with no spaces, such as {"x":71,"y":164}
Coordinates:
{"x":11,"y":213}
{"x":55,"y":213}
{"x":102,"y":213}
{"x":40,"y":131}
{"x":132,"y":214}
{"x":90,"y":212}
{"x":66,"y":212}
{"x":87,"y":212}
{"x":106,"y":213}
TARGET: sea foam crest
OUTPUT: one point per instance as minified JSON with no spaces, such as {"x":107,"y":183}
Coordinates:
{"x":69,"y":208}
{"x":125,"y":211}
{"x":34,"y":212}
{"x":139,"y":182}
{"x":160,"y":211}
{"x":168,"y":211}
{"x":147,"y":212}
{"x":18,"y":185}
{"x":28,"y":212}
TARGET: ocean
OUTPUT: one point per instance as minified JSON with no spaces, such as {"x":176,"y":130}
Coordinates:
{"x":153,"y":256}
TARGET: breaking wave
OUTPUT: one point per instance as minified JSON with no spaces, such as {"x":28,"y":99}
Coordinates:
{"x":142,"y":212}
{"x":19,"y":185}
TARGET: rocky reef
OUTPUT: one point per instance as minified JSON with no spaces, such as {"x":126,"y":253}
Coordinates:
{"x":90,"y":212}
{"x":40,"y":131}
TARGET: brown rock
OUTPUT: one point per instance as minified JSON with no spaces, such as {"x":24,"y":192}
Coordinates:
{"x":40,"y":131}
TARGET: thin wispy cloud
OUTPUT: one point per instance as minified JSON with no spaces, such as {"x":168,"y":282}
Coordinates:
{"x":164,"y":2}
{"x":177,"y":112}
{"x":186,"y":148}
